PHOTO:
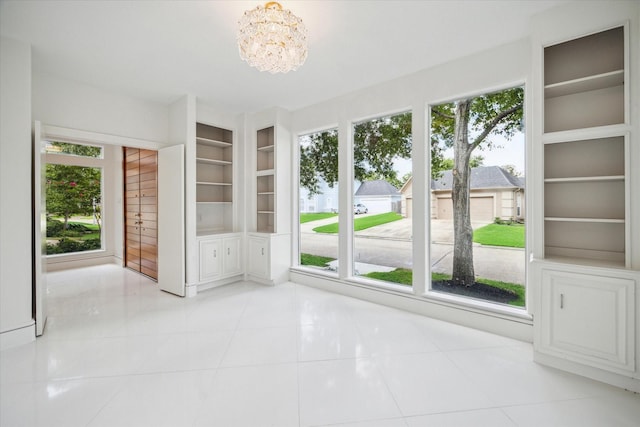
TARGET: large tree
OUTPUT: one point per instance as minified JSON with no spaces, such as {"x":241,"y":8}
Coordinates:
{"x":467,"y":125}
{"x":378,"y":143}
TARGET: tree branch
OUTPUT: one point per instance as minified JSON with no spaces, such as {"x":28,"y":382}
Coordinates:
{"x":441,"y":114}
{"x":487,"y":130}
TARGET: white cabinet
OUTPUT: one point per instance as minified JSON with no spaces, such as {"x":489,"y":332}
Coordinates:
{"x":210,"y":259}
{"x":258,"y":265}
{"x":269,"y":257}
{"x":588,"y":318}
{"x":220,"y":257}
{"x":583,"y":197}
{"x":231,"y":256}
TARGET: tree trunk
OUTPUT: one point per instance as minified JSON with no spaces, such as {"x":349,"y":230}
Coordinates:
{"x":463,"y":273}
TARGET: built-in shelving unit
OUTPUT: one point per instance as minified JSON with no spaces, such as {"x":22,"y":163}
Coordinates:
{"x":265,"y":180}
{"x":585,"y":149}
{"x":214,"y":179}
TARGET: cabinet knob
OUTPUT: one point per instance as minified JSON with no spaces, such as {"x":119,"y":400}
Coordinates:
{"x":215,"y":253}
{"x":561,"y":301}
{"x":262,"y":250}
{"x":228,"y":251}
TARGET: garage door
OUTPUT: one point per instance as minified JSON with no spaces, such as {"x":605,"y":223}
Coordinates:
{"x":481,"y":208}
{"x":445,"y":208}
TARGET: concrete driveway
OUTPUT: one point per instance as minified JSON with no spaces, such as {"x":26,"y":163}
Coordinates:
{"x":441,"y":230}
{"x":390,"y":245}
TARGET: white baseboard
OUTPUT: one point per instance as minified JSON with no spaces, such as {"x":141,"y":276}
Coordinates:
{"x":16,"y":337}
{"x":210,"y":285}
{"x":626,"y":382}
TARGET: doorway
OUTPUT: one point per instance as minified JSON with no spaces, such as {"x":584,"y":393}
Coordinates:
{"x":141,"y":210}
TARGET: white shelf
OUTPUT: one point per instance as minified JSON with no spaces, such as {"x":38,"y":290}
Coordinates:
{"x":589,"y":220}
{"x":214,"y":203}
{"x":207,"y":161}
{"x":213,"y":183}
{"x":591,"y":262}
{"x":265,"y":172}
{"x":212,"y":142}
{"x":211,"y":231}
{"x":594,"y":132}
{"x":585,"y":84}
{"x":266,"y":193}
{"x":586,"y":179}
{"x":267,"y":148}
{"x":266,"y":212}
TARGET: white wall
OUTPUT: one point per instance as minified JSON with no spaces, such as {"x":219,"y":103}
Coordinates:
{"x":16,"y":323}
{"x":74,"y":105}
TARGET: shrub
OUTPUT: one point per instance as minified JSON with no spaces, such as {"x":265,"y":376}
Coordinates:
{"x":67,"y":245}
{"x":54,"y":227}
{"x":91,"y":244}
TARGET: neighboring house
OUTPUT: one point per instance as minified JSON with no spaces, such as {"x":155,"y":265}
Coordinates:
{"x":407,"y":198}
{"x":326,"y":201}
{"x":378,"y":196}
{"x":494,"y":193}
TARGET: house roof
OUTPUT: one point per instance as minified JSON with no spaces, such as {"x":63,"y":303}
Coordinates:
{"x":378,"y":187}
{"x":481,"y":177}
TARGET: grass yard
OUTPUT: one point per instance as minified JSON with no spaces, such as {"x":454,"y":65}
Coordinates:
{"x":362,"y":223}
{"x":308,"y":217}
{"x":315,"y":260}
{"x":511,"y":236}
{"x":403,"y":276}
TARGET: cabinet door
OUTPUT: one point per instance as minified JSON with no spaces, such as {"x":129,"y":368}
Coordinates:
{"x":231,"y":256}
{"x":210,"y":257}
{"x":588,"y":318}
{"x":258,"y":257}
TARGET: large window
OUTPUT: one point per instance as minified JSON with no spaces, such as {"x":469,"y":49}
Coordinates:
{"x":318,"y":201}
{"x":477,"y":197}
{"x":382,"y":199}
{"x":73,"y":198}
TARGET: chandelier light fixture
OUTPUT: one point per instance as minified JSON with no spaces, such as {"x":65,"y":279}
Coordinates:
{"x":272,"y":39}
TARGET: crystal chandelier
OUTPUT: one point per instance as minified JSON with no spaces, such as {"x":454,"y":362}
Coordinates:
{"x":272,"y":39}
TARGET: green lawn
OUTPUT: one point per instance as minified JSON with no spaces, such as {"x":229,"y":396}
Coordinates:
{"x":403,"y":276}
{"x":308,"y":217}
{"x":399,"y":275}
{"x":362,"y":223}
{"x":500,"y":235}
{"x":318,"y":261}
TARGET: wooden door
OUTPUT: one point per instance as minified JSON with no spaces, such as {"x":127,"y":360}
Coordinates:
{"x":141,"y":211}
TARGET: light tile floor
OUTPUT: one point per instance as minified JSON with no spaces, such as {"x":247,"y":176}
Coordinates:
{"x":119,"y":352}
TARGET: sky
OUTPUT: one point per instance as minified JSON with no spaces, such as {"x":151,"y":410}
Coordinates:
{"x":507,"y":153}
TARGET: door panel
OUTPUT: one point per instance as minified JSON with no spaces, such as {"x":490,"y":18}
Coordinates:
{"x":40,"y":227}
{"x":171,"y":251}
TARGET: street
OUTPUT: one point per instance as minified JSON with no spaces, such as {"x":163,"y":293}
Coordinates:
{"x":390,"y":245}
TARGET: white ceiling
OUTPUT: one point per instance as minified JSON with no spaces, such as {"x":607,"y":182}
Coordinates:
{"x":160,"y":50}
